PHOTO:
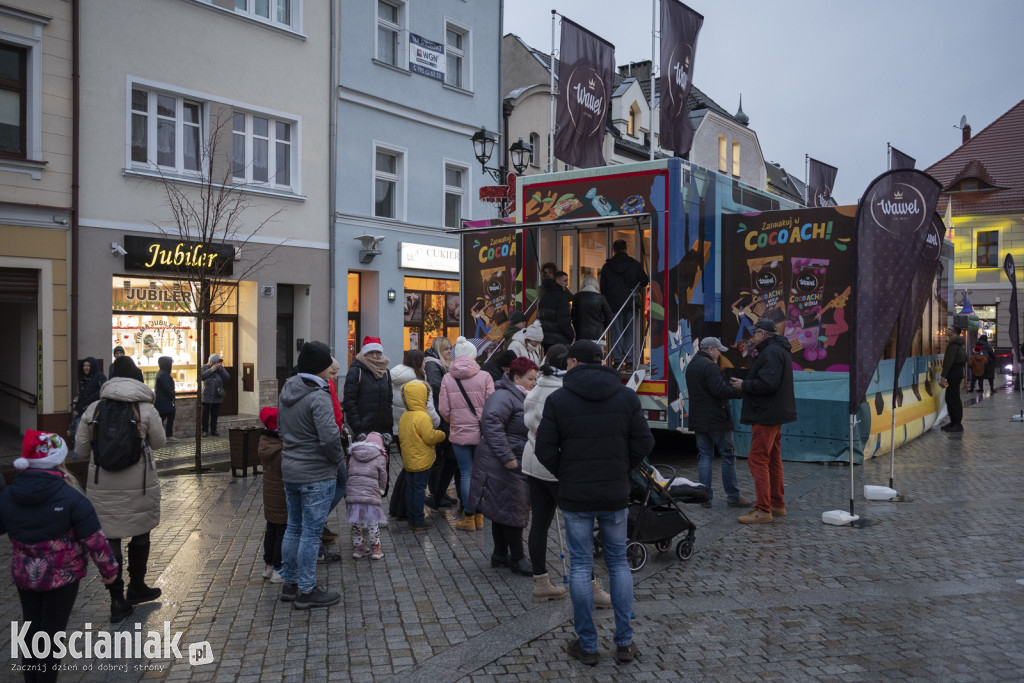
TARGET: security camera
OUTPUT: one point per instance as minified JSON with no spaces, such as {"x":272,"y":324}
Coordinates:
{"x":116,"y":248}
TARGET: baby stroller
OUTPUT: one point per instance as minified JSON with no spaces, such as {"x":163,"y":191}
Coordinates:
{"x":655,"y":515}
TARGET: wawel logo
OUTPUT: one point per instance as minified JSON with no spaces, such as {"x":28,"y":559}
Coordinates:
{"x":766,"y":281}
{"x":896,"y":205}
{"x":807,"y":283}
{"x":585,"y":97}
{"x":586,"y":100}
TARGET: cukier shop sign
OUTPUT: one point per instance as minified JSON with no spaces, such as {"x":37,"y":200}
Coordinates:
{"x":429,"y":257}
{"x":177,"y":256}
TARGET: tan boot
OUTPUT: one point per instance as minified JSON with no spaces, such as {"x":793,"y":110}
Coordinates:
{"x":756,"y":516}
{"x":544,"y":590}
{"x":601,"y":599}
{"x":778,"y":512}
{"x":467,"y":523}
{"x":479,"y":519}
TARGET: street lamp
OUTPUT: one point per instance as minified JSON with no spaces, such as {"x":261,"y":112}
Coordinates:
{"x":483,"y":147}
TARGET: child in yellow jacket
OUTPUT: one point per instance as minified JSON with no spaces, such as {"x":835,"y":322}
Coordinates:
{"x":417,"y":437}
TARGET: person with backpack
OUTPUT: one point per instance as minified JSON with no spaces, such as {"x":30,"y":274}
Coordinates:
{"x":120,"y":432}
{"x":54,"y":532}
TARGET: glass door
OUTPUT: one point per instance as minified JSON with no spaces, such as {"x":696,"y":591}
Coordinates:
{"x":220,"y":338}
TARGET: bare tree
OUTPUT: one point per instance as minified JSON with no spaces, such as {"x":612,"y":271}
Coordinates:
{"x":207,"y":220}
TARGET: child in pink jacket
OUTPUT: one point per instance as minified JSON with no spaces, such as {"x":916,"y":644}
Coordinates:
{"x":367,"y":477}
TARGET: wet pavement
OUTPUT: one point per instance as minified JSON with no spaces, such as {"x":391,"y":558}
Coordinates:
{"x":933,"y":590}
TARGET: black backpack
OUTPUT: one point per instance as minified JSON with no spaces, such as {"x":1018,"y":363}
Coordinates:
{"x":116,"y":439}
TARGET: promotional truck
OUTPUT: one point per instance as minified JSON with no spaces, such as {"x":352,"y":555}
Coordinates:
{"x":720,"y":255}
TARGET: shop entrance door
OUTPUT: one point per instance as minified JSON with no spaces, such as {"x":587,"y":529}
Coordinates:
{"x":220,"y":337}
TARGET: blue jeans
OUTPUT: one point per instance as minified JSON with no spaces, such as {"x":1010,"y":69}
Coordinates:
{"x":339,"y":488}
{"x":579,"y":534}
{"x":623,"y":349}
{"x":308,"y":505}
{"x":415,"y":495}
{"x":706,"y":444}
{"x":464,"y":456}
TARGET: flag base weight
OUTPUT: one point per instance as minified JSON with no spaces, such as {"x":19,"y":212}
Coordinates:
{"x":901,"y":499}
{"x":1017,"y":418}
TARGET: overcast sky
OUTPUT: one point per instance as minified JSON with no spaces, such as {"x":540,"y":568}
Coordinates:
{"x":833,"y":79}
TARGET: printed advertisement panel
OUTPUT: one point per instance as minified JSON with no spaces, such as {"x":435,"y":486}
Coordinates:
{"x":426,"y":57}
{"x":792,"y":267}
{"x":490,"y":268}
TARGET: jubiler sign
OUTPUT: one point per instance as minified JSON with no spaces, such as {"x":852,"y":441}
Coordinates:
{"x":175,"y":256}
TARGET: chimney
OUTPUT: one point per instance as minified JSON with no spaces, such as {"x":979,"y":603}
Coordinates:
{"x":967,"y":133}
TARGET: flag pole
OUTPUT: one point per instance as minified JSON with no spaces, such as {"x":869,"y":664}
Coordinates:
{"x":888,"y":154}
{"x":807,"y":179}
{"x":654,"y":13}
{"x":551,"y":132}
{"x":892,"y":430}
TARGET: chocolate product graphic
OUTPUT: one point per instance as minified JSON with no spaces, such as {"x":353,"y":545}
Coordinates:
{"x":767,"y":288}
{"x":806,"y":294}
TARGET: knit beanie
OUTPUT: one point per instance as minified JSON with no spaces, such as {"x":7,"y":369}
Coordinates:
{"x":126,"y":367}
{"x":372,"y":344}
{"x":41,"y":450}
{"x":535,"y":332}
{"x":314,"y":358}
{"x":268,"y":416}
{"x":463,"y":347}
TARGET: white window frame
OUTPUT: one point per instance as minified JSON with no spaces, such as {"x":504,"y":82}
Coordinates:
{"x":272,"y":142}
{"x":462,"y":191}
{"x":207,"y":100}
{"x":400,"y":30}
{"x":535,"y":157}
{"x":398,"y":177}
{"x":31,"y":163}
{"x":466,"y":53}
{"x":294,"y":11}
{"x":153,"y":118}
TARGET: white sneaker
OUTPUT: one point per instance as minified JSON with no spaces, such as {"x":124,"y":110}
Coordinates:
{"x":268,"y":571}
{"x":275,"y":577}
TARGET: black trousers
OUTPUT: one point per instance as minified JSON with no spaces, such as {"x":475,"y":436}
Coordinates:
{"x":211,"y":411}
{"x":49,"y":612}
{"x":444,"y":469}
{"x":542,"y":505}
{"x":138,"y":560}
{"x":508,"y":540}
{"x":272,"y":538}
{"x":168,"y":419}
{"x":396,"y":507}
{"x":954,"y":403}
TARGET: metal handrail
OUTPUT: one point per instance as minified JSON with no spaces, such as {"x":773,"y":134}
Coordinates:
{"x":611,"y":345}
{"x":25,"y":397}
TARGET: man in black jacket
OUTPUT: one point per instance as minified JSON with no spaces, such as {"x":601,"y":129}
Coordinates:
{"x":619,"y":276}
{"x":554,"y":314}
{"x":710,"y":418}
{"x":953,"y":362}
{"x":593,"y":432}
{"x":768,"y":403}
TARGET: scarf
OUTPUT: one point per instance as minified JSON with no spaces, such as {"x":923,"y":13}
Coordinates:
{"x":377,"y":367}
{"x":522,"y":389}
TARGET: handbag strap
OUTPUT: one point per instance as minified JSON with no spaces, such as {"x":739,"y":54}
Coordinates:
{"x":466,"y":396}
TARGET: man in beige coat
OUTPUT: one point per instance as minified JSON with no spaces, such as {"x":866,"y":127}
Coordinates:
{"x":127,"y":501}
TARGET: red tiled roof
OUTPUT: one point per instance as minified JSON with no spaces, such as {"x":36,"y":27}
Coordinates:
{"x":996,"y":156}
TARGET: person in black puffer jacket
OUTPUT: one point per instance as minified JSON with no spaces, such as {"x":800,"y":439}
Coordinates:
{"x":768,"y":403}
{"x":164,"y":389}
{"x":90,"y":379}
{"x":553,"y":311}
{"x":710,"y":418}
{"x":590,"y":311}
{"x":367,"y":397}
{"x":592,"y":433}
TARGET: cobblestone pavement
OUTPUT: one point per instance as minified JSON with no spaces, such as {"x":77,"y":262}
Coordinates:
{"x":932,"y":591}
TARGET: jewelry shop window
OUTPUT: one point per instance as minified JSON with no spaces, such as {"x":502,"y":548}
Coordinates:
{"x":151,"y":318}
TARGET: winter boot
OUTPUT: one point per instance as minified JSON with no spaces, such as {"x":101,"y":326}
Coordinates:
{"x":467,"y":523}
{"x":120,"y":609}
{"x":601,"y":599}
{"x":376,"y":552}
{"x":138,"y":561}
{"x":479,"y":519}
{"x":544,"y":590}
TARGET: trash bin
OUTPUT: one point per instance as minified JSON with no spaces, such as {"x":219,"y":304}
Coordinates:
{"x":244,"y":443}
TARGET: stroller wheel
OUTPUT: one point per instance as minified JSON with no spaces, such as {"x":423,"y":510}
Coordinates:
{"x":636,"y":555}
{"x":662,"y":546}
{"x":684,"y":549}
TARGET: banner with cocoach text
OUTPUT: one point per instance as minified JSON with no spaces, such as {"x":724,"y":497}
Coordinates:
{"x":791,"y":267}
{"x":490,"y":268}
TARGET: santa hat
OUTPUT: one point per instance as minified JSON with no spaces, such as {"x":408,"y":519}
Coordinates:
{"x":372,"y":344}
{"x":268,"y":416}
{"x":41,"y":450}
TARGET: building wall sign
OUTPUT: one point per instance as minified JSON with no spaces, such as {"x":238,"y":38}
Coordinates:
{"x":177,"y":256}
{"x":429,"y":257}
{"x":426,"y":57}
